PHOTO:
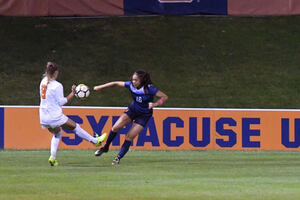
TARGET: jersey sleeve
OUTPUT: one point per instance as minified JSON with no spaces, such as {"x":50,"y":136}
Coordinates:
{"x":60,"y":95}
{"x":127,"y":84}
{"x":153,"y":90}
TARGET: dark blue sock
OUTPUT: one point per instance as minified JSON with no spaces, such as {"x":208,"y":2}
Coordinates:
{"x":124,"y":149}
{"x":110,"y":138}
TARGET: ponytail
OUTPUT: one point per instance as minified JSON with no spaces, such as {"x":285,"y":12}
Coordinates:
{"x":51,"y":68}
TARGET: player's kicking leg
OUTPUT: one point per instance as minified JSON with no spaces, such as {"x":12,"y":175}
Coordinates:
{"x":120,"y":123}
{"x":71,"y":125}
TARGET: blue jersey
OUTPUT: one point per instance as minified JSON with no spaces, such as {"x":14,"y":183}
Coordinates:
{"x":141,"y":97}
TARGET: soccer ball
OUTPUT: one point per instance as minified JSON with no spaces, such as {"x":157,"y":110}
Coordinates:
{"x":82,"y":91}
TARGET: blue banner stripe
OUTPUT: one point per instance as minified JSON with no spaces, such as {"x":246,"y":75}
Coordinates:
{"x":180,"y":7}
{"x":1,"y":128}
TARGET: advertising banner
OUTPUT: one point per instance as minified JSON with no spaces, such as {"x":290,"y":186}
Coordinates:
{"x":85,"y":7}
{"x":147,"y":7}
{"x":263,"y":7}
{"x":172,"y":128}
{"x":175,"y":7}
{"x":24,"y":7}
{"x":61,"y":7}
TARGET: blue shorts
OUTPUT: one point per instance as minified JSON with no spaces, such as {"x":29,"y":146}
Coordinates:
{"x":138,"y":117}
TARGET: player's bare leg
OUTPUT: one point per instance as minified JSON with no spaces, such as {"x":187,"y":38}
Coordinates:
{"x":123,"y":120}
{"x":71,"y":125}
{"x":132,"y":133}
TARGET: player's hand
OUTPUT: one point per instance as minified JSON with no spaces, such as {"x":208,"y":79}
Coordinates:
{"x":151,"y":105}
{"x":73,"y":89}
{"x":97,"y":88}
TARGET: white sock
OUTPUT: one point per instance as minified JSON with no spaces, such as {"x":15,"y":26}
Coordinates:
{"x":84,"y":135}
{"x":54,"y":143}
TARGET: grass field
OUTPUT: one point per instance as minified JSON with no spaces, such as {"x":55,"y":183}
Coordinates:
{"x":151,"y":175}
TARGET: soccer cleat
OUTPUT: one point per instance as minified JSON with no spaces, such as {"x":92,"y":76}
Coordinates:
{"x":116,"y":161}
{"x":53,"y":162}
{"x":100,"y":139}
{"x":100,"y":151}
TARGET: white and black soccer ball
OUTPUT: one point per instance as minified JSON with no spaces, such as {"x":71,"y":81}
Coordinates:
{"x":82,"y":91}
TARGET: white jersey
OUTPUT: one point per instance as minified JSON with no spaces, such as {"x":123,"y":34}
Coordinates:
{"x":52,"y":100}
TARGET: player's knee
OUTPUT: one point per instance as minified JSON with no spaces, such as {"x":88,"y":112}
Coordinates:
{"x":129,"y":138}
{"x":76,"y":127}
{"x":116,"y":128}
{"x":73,"y":126}
{"x":54,"y":130}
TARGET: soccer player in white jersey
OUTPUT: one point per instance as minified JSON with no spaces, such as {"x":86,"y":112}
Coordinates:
{"x":51,"y":115}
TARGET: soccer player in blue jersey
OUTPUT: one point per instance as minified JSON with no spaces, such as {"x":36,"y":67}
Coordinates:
{"x":138,"y":112}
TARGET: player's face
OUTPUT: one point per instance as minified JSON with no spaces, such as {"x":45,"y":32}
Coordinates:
{"x":136,"y":82}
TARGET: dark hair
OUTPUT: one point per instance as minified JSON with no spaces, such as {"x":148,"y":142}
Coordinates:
{"x":144,"y":77}
{"x":51,"y":67}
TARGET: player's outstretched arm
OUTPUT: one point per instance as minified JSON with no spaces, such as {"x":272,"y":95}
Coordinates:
{"x":110,"y":84}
